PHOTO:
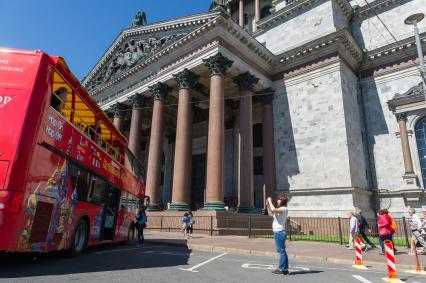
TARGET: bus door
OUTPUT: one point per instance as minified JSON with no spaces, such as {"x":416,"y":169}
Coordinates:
{"x":111,"y":209}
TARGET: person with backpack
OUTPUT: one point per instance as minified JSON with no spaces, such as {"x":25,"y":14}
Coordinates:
{"x":386,"y":228}
{"x":363,"y":225}
{"x":141,"y":221}
{"x":191,"y":222}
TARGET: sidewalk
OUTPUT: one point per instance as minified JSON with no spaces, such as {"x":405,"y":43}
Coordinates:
{"x":311,"y":251}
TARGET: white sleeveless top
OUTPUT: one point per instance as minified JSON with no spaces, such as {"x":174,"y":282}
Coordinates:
{"x":280,"y":218}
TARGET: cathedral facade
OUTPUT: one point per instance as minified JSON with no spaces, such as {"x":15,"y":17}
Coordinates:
{"x":318,"y":99}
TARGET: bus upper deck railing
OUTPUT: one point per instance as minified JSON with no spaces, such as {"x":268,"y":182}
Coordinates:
{"x":91,"y":132}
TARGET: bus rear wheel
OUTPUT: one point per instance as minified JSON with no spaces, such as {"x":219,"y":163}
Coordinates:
{"x":79,"y":238}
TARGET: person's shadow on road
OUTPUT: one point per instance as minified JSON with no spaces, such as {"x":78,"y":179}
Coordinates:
{"x":301,"y":272}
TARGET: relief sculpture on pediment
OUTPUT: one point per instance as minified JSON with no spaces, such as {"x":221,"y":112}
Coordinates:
{"x":131,"y":53}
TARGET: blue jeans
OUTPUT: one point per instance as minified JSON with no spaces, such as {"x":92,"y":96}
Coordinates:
{"x":280,"y":238}
{"x":382,"y":241}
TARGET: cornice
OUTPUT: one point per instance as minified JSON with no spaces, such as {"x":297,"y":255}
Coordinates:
{"x":297,"y":6}
{"x":340,"y":41}
{"x":385,"y":59}
{"x":367,"y":11}
{"x":175,"y":24}
{"x":394,"y":48}
{"x":154,"y":76}
{"x":220,"y":21}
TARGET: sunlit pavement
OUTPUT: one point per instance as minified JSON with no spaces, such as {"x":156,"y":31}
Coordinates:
{"x":159,"y":263}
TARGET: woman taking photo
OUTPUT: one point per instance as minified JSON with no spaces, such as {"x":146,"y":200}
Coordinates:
{"x":279,"y":215}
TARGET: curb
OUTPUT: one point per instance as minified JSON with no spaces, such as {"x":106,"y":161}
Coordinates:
{"x":209,"y":248}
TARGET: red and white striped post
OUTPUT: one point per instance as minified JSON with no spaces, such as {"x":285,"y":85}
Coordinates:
{"x":358,"y":255}
{"x":391,"y":263}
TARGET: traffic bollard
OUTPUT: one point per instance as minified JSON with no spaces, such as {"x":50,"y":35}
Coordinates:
{"x":358,"y":255}
{"x":391,"y":263}
{"x":418,"y":270}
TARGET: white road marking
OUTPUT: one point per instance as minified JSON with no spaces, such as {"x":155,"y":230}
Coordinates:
{"x":128,"y":249}
{"x":168,"y":253}
{"x":362,"y":279}
{"x":203,"y":263}
{"x":117,"y":250}
{"x":257,"y":266}
{"x":270,"y":266}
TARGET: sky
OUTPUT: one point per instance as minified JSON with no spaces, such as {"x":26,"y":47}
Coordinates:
{"x":80,"y":30}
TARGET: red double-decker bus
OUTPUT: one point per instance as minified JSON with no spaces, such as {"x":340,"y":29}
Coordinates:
{"x":67,"y":179}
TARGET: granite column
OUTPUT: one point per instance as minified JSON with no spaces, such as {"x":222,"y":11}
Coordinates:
{"x":181,"y":192}
{"x":159,"y":92}
{"x":245,"y":84}
{"x":217,"y":65}
{"x":268,"y":144}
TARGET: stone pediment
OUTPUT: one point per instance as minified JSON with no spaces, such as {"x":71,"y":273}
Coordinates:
{"x":416,"y":90}
{"x":136,"y":45}
{"x":414,"y":95}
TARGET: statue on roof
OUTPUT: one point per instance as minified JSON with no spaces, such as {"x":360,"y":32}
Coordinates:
{"x":220,"y":4}
{"x":139,"y":20}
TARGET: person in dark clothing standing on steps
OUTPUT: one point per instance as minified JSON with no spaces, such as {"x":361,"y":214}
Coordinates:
{"x":141,"y":220}
{"x":363,"y":225}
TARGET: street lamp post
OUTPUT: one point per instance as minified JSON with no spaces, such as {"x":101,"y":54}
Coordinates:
{"x":413,"y":20}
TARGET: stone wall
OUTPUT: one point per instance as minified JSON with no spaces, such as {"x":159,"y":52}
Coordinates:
{"x":354,"y":125}
{"x":310,"y":132}
{"x":305,"y":25}
{"x":384,"y":146}
{"x":370,"y":33}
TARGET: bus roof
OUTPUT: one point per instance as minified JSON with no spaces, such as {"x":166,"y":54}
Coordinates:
{"x":62,"y":68}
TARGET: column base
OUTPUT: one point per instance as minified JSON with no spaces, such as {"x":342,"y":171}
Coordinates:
{"x":246,"y":209}
{"x":214,"y":206}
{"x":179,"y":206}
{"x":154,"y":207}
{"x":410,"y":180}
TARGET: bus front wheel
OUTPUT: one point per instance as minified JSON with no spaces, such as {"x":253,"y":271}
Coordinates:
{"x":79,"y":238}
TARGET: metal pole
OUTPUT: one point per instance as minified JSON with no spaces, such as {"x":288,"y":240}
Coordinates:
{"x":405,"y":232}
{"x":161,"y":223}
{"x":340,"y":231}
{"x":249,"y":227}
{"x":289,"y":228}
{"x":211,"y":225}
{"x":420,"y":54}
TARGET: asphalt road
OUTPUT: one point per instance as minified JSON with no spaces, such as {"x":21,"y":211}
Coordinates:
{"x":158,"y":263}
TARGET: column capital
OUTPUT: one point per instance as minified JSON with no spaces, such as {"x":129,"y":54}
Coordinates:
{"x":401,"y":117}
{"x":118,"y":110}
{"x":218,"y":64}
{"x":159,"y":91}
{"x":246,"y":81}
{"x":138,"y":101}
{"x":186,"y":79}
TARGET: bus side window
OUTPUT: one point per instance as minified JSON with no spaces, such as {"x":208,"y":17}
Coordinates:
{"x":97,"y":190}
{"x":79,"y":178}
